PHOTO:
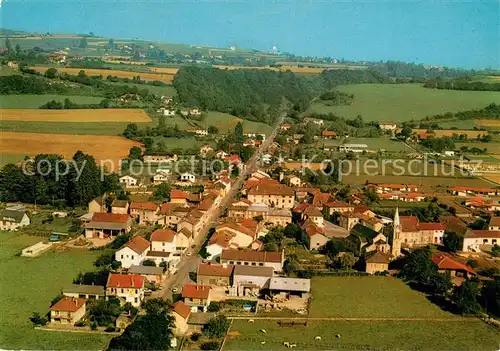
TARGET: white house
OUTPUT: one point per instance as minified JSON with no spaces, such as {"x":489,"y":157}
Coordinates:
{"x":168,"y":112}
{"x":476,"y":240}
{"x":387,"y":126}
{"x":129,"y":287}
{"x":128,"y":181}
{"x":163,"y":240}
{"x":358,"y":148}
{"x":133,"y":253}
{"x":12,"y":220}
{"x":161,"y":176}
{"x":188,"y":177}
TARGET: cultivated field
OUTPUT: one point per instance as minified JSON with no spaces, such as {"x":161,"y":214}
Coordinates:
{"x":471,"y":134}
{"x":493,"y":148}
{"x":90,"y":128}
{"x":112,"y":148}
{"x":488,"y":123}
{"x":163,"y":77}
{"x":35,"y":101}
{"x":347,"y":297}
{"x":37,"y":282}
{"x":364,"y":335}
{"x":404,"y":102}
{"x":76,"y":116}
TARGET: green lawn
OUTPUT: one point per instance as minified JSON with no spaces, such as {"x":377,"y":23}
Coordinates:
{"x":28,"y":285}
{"x":225,"y":122}
{"x":10,"y":158}
{"x":35,"y":101}
{"x":167,"y":90}
{"x":404,"y":102}
{"x":103,"y":128}
{"x":414,"y":335}
{"x":368,"y":297}
{"x":382,"y":143}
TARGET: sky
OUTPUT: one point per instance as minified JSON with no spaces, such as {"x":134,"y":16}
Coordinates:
{"x":447,"y":33}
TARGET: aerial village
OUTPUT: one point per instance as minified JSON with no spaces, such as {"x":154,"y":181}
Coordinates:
{"x":246,"y":241}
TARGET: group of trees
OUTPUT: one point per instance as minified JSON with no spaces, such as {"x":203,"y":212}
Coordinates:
{"x":461,"y":84}
{"x":51,"y":180}
{"x":492,"y":111}
{"x":403,"y":69}
{"x":469,"y":297}
{"x":439,"y":144}
{"x":150,"y":331}
{"x":337,"y":98}
{"x":67,"y":104}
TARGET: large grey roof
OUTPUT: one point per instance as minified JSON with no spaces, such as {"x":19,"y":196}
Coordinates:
{"x":290,"y":284}
{"x":12,"y":215}
{"x":255,"y":271}
{"x":84,"y":289}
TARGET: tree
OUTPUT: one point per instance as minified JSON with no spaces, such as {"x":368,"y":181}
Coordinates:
{"x":18,"y":49}
{"x":333,"y":247}
{"x":490,"y":296}
{"x":51,"y":73}
{"x":162,"y":192}
{"x":8,"y":45}
{"x":131,"y":131}
{"x":238,"y":133}
{"x":38,"y":319}
{"x":216,"y":327}
{"x":271,"y":247}
{"x":135,"y":153}
{"x":111,"y":44}
{"x":152,"y":331}
{"x":406,"y":131}
{"x":347,"y":260}
{"x":452,"y":242}
{"x":495,"y":250}
{"x":213,"y":130}
{"x":292,"y":230}
{"x":370,"y":195}
{"x":104,"y":312}
{"x":465,"y":297}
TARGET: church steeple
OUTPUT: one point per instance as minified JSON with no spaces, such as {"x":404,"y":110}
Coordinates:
{"x":396,"y":239}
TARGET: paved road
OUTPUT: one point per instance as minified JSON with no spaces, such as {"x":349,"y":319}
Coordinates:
{"x":190,"y":259}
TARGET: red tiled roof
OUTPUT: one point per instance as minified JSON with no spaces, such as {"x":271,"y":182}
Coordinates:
{"x":222,"y":238}
{"x":196,"y":291}
{"x":361,"y":209}
{"x":125,"y":281}
{"x":143,"y":206}
{"x":252,"y":256}
{"x":168,"y":208}
{"x":138,"y":244}
{"x":265,"y":187}
{"x":178,"y":194}
{"x":320,"y":199}
{"x":249,"y":223}
{"x":165,"y":235}
{"x":409,"y":223}
{"x":181,"y":309}
{"x":238,"y":228}
{"x":431,"y":226}
{"x":494,"y":221}
{"x":482,"y":234}
{"x":311,"y":228}
{"x":301,"y":207}
{"x":445,"y":261}
{"x":338,"y":204}
{"x":232,"y":159}
{"x":110,"y":217}
{"x":313,"y":211}
{"x":329,"y":133}
{"x":215,"y":270}
{"x":468,"y":188}
{"x":68,"y":304}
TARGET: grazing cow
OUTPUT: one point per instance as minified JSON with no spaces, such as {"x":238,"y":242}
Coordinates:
{"x":286,"y":343}
{"x":263,"y":331}
{"x":317,"y":338}
{"x":293,"y":345}
{"x":251,"y":321}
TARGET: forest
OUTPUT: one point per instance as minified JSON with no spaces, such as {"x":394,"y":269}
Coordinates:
{"x":258,"y":94}
{"x":461,"y":84}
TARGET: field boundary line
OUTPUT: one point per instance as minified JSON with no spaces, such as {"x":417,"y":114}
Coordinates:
{"x":367,"y":319}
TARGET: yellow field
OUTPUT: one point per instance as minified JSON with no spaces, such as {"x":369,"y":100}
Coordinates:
{"x":166,"y":70}
{"x":125,"y":61}
{"x":166,"y":78}
{"x":102,"y":147}
{"x":488,"y":122}
{"x":294,"y":69}
{"x":82,"y":116}
{"x":471,"y":134}
{"x":492,"y":177}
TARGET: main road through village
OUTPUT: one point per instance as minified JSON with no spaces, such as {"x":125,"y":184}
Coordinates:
{"x":190,"y":258}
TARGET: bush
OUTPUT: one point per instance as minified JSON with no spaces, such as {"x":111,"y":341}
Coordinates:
{"x":93,"y":326}
{"x":150,"y":263}
{"x":195,"y":336}
{"x":110,"y":328}
{"x":214,"y":306}
{"x":38,"y":319}
{"x":210,"y":345}
{"x":216,"y":327}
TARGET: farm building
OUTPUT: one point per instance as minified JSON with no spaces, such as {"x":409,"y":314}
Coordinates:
{"x":104,"y":225}
{"x":377,"y":261}
{"x":128,"y":181}
{"x":289,"y":286}
{"x":357,"y":148}
{"x":89,"y":292}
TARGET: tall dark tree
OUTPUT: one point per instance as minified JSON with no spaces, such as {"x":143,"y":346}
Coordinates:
{"x":452,"y":241}
{"x":238,"y":133}
{"x":465,"y":297}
